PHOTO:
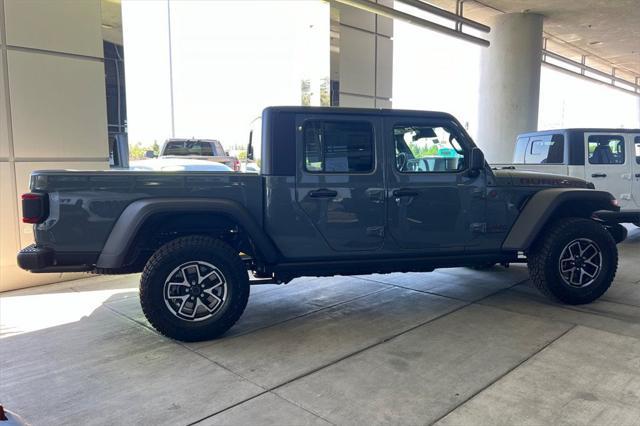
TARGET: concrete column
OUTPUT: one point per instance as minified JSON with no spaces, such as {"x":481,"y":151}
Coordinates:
{"x":510,"y":83}
{"x":361,"y":57}
{"x":52,"y":109}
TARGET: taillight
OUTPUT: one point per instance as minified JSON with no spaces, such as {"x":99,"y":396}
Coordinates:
{"x":236,"y":165}
{"x":35,"y":207}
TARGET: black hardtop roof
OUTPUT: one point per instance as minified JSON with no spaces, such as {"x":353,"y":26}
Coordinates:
{"x":581,"y":129}
{"x":360,"y":111}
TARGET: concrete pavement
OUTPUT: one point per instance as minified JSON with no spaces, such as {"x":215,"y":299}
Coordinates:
{"x":451,"y":347}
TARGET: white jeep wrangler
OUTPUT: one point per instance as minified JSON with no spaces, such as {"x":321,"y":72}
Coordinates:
{"x":610,"y":158}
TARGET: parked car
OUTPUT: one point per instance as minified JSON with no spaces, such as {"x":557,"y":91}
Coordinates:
{"x":334,"y":196}
{"x":207,"y":149}
{"x":179,"y":165}
{"x":610,"y":158}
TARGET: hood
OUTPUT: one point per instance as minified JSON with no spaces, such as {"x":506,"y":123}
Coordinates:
{"x":528,"y":178}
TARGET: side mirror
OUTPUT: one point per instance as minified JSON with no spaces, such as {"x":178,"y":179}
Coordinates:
{"x":476,"y":160}
{"x":149,"y":154}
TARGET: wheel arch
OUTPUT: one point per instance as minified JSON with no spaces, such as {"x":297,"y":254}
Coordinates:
{"x":126,"y":231}
{"x":550,"y":204}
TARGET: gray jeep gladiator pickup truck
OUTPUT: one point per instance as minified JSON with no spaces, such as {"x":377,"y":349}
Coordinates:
{"x":340,"y":191}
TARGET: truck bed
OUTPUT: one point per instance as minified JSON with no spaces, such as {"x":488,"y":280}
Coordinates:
{"x":90,"y":202}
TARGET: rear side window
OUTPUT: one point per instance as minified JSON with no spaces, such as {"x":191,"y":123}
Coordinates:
{"x":637,"y":144}
{"x":338,"y":146}
{"x":606,"y":149}
{"x":547,"y":149}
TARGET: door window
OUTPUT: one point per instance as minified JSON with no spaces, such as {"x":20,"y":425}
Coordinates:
{"x":338,"y":146}
{"x":606,"y":149}
{"x":548,"y":149}
{"x":427,"y":149}
{"x":637,"y":143}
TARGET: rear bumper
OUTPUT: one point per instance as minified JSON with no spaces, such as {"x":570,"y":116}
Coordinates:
{"x":42,"y":259}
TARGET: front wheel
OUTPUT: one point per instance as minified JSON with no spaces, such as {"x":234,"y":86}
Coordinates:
{"x":194,"y":288}
{"x":574,"y":262}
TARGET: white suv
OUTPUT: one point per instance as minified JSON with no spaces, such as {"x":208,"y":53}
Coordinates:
{"x":610,"y":158}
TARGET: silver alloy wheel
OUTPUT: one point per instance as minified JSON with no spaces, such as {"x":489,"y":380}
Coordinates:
{"x":195,"y":291}
{"x":580,"y":262}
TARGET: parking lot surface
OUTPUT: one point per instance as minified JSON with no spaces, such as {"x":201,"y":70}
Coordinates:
{"x":452,"y":347}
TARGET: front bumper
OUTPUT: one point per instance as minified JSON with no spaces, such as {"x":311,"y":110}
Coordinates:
{"x":623,"y":216}
{"x":612,"y":220}
{"x":42,"y":259}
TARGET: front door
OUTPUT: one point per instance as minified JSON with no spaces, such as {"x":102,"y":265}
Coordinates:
{"x":434,"y":203}
{"x":339,"y":182}
{"x":608,"y":164}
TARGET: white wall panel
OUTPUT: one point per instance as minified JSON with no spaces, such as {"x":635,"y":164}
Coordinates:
{"x":356,"y":101}
{"x":70,"y":26}
{"x":8,"y":238}
{"x":356,"y":17}
{"x":357,"y":61}
{"x":383,"y":103}
{"x":384,"y":58}
{"x":4,"y":130}
{"x":58,"y":106}
{"x":385,"y":25}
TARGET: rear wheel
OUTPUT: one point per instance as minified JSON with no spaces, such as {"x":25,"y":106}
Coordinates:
{"x":194,"y":288}
{"x":574,"y":262}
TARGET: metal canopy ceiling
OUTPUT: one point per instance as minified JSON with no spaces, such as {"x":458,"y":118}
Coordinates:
{"x":606,"y":32}
{"x":602,"y":34}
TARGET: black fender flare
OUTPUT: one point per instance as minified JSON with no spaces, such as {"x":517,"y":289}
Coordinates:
{"x":135,"y":214}
{"x":541,"y":207}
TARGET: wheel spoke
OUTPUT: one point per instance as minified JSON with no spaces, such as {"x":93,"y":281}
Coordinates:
{"x":177,"y":286}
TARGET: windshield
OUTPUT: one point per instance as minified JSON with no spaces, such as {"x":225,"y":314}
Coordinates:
{"x":201,"y":148}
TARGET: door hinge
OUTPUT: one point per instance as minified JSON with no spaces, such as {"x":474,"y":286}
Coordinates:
{"x":478,"y":227}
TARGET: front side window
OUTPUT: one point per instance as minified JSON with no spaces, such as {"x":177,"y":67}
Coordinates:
{"x":427,"y":149}
{"x":548,"y":149}
{"x":606,"y":149}
{"x":637,"y":143}
{"x":338,"y":146}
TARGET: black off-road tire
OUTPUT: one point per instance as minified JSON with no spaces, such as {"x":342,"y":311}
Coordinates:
{"x":544,"y":258}
{"x":176,"y":253}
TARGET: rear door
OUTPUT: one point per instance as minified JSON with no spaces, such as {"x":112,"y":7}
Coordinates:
{"x":339,"y":179}
{"x":608,"y":164}
{"x":434,"y":205}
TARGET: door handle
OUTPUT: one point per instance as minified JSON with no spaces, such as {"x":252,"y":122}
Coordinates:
{"x":598,"y":175}
{"x":405,"y":193}
{"x":323,"y":193}
{"x":638,"y":175}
